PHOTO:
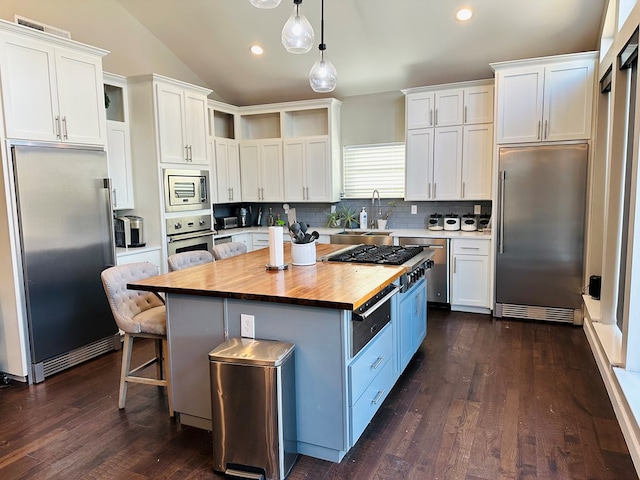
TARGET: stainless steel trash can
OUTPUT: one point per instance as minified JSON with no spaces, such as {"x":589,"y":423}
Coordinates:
{"x":253,"y":408}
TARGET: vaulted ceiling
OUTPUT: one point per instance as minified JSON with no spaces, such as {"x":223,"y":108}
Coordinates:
{"x":375,"y":45}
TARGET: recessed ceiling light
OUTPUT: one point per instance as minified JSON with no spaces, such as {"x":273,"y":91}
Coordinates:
{"x":464,"y":14}
{"x":257,"y":50}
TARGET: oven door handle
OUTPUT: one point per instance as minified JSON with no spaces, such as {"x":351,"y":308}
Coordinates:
{"x":376,"y":306}
{"x":189,"y":236}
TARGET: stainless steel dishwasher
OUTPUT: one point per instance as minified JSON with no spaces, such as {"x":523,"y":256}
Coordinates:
{"x":438,"y":278}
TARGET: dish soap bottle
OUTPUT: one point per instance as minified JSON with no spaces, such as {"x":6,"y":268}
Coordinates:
{"x":363,"y":218}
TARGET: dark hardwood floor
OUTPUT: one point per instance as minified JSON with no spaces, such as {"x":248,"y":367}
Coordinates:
{"x":482,"y":399}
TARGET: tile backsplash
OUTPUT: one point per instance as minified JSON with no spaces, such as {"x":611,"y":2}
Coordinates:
{"x":315,"y":214}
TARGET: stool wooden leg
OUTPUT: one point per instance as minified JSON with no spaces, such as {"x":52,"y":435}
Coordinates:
{"x":159,"y":363}
{"x":127,"y":347}
{"x":167,"y":374}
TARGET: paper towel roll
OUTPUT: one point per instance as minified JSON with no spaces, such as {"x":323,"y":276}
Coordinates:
{"x":276,"y":246}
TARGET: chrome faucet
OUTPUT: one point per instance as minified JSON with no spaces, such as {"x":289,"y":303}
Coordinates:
{"x":374,"y":216}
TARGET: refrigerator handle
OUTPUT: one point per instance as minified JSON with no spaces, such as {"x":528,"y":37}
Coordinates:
{"x":107,"y":185}
{"x":501,"y":207}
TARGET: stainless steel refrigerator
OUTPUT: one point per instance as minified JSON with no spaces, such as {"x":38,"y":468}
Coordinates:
{"x":540,"y":232}
{"x":65,"y":231}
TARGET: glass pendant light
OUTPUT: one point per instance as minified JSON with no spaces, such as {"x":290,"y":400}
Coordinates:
{"x":265,"y":3}
{"x":297,"y":33}
{"x":323,"y":76}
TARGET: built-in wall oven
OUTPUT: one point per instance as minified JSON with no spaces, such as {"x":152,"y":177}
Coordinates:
{"x":189,"y":233}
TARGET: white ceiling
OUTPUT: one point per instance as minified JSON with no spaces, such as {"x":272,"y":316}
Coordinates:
{"x":375,"y":45}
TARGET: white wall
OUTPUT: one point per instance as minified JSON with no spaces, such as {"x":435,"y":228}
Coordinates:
{"x":106,"y":24}
{"x":376,"y":118}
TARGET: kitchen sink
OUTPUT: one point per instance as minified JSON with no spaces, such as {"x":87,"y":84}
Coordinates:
{"x":372,"y":237}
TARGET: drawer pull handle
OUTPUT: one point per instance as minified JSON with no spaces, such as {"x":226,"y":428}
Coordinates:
{"x":378,"y":397}
{"x":377,"y":363}
{"x":470,"y":248}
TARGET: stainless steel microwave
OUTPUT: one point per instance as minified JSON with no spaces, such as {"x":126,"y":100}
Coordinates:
{"x":186,"y":190}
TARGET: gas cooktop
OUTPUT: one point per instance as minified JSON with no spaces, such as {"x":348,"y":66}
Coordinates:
{"x":380,"y":254}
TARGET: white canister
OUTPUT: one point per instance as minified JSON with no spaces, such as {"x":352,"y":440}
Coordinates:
{"x":451,"y":222}
{"x":303,"y":253}
{"x":469,"y":223}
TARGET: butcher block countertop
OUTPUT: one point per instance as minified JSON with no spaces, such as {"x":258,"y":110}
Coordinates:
{"x":344,"y":286}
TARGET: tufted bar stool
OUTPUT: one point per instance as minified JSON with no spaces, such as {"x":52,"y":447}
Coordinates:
{"x":181,"y":260}
{"x":139,"y":315}
{"x":226,"y":250}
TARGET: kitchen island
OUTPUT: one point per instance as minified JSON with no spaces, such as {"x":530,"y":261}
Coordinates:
{"x":338,"y":389}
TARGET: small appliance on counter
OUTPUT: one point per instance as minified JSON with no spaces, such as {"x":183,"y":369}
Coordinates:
{"x":435,"y":222}
{"x":469,"y":223}
{"x":128,"y":231}
{"x":451,"y":222}
{"x":484,"y":221}
{"x":244,"y":216}
{"x":224,"y":223}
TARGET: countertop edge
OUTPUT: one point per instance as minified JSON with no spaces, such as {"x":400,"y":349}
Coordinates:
{"x":252,"y":297}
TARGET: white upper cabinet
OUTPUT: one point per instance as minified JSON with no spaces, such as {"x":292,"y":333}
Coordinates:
{"x":477,"y":161}
{"x":51,"y":87}
{"x":227,"y":171}
{"x":182,"y":124}
{"x":478,"y":104}
{"x":300,"y":142}
{"x":419,"y":164}
{"x":307,"y":170}
{"x":261,"y":167}
{"x":119,"y":141}
{"x":224,"y":152}
{"x":449,"y":107}
{"x":442,"y":106}
{"x":447,"y":163}
{"x":450,"y":157}
{"x":420,"y":110}
{"x":546,"y":99}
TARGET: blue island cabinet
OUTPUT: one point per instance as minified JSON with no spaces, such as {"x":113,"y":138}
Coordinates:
{"x":411,"y":322}
{"x":337,"y":393}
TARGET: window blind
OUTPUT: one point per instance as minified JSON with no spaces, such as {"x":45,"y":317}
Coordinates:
{"x":370,"y":167}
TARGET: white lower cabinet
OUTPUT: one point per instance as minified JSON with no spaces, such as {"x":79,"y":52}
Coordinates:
{"x":243,"y":238}
{"x":470,"y":278}
{"x":151,"y":255}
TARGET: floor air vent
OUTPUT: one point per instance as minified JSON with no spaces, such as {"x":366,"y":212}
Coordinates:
{"x":74,"y":357}
{"x":538,"y":313}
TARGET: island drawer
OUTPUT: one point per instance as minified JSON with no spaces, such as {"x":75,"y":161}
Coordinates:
{"x":470,"y":247}
{"x":367,"y":405}
{"x":369,"y":362}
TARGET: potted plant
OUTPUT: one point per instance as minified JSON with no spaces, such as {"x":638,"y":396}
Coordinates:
{"x":344,"y":217}
{"x":382,"y":221}
{"x":348,"y":216}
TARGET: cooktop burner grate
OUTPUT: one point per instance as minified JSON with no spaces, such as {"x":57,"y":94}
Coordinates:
{"x":382,"y":254}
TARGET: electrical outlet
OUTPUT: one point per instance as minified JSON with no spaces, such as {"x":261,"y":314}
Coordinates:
{"x":247,"y":326}
{"x":333,"y":209}
{"x":476,"y":209}
{"x":414,"y":209}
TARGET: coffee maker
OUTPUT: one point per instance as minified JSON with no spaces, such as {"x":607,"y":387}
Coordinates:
{"x":244,"y":217}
